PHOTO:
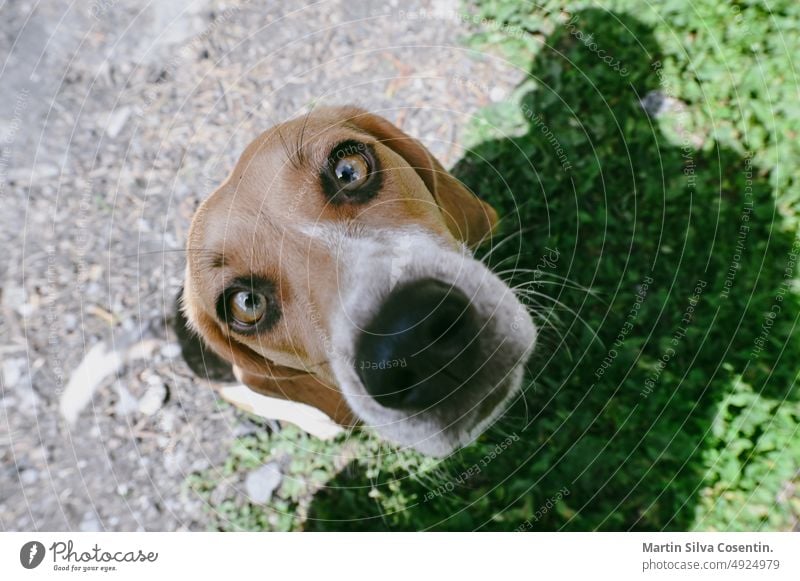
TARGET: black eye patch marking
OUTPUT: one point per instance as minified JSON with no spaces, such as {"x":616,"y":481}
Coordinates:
{"x":351,"y":173}
{"x":249,"y":305}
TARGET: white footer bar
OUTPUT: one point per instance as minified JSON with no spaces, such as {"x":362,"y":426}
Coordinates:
{"x":400,"y":556}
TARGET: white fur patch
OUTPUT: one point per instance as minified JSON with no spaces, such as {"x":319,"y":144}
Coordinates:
{"x":307,"y":418}
{"x":378,"y":261}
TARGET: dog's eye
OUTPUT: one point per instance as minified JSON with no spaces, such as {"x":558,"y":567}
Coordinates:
{"x":248,"y":308}
{"x":351,"y":174}
{"x":249,"y":305}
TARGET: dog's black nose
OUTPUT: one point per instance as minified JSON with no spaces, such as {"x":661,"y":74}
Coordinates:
{"x":421,"y":346}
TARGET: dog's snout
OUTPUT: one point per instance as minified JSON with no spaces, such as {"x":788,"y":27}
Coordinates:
{"x":420,"y":347}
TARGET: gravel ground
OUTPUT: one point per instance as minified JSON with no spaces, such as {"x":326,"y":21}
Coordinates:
{"x":118,"y":117}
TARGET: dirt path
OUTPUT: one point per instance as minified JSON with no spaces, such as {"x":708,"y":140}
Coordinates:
{"x":116,"y":121}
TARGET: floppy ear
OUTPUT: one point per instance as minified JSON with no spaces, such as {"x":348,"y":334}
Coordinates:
{"x":201,"y":360}
{"x":210,"y":354}
{"x":468,"y":218}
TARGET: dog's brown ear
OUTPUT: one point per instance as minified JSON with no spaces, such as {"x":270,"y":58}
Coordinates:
{"x":198,"y":356}
{"x":468,"y":218}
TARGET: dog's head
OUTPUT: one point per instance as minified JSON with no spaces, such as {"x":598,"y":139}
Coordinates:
{"x":333,"y":267}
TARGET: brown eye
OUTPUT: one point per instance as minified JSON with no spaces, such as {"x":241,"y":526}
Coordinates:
{"x":249,"y":305}
{"x":351,"y":172}
{"x":248,"y":308}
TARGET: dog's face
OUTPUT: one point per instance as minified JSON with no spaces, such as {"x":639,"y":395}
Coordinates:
{"x":332,"y":267}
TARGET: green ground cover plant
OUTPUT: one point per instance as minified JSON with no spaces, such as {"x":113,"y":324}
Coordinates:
{"x":646,"y":171}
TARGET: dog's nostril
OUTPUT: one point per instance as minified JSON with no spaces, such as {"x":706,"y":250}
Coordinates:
{"x":402,"y":385}
{"x":417,"y":347}
{"x":448,"y":324}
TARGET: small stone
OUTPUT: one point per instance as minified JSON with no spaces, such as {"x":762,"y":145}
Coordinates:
{"x":497,"y":94}
{"x":70,"y":322}
{"x":175,"y":463}
{"x":166,"y":421}
{"x":262,"y":483}
{"x":117,"y":120}
{"x":28,"y":477}
{"x":171,"y":350}
{"x":126,"y":404}
{"x":90,"y":523}
{"x":199,"y":464}
{"x":28,"y":400}
{"x":656,"y":103}
{"x":16,"y":298}
{"x":12,"y":371}
{"x":153,"y":398}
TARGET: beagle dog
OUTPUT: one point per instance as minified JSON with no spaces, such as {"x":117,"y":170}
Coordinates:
{"x":333,"y":267}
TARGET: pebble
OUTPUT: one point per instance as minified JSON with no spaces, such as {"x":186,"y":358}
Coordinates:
{"x":90,"y":523}
{"x":16,"y":298}
{"x":70,"y":321}
{"x":497,"y":94}
{"x":12,"y":371}
{"x":126,"y":404}
{"x":154,"y":397}
{"x":262,"y":483}
{"x":28,"y":477}
{"x":171,"y":350}
{"x":117,"y":120}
